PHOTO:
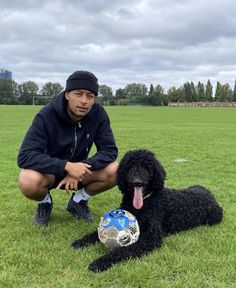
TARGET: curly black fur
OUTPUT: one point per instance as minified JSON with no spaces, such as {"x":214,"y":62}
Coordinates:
{"x":163,"y":211}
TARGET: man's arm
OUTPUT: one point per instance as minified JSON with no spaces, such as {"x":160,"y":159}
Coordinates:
{"x":78,"y":170}
{"x":105,"y":143}
{"x":32,"y":152}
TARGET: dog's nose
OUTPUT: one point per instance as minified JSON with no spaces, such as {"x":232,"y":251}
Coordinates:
{"x":137,"y":183}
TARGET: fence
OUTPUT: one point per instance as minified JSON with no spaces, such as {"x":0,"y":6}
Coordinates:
{"x":202,"y":104}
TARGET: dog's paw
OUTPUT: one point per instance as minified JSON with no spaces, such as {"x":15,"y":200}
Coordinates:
{"x":99,"y":266}
{"x":77,"y":244}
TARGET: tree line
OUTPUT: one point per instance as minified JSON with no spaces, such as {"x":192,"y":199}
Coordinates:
{"x":132,"y":94}
{"x":27,"y":92}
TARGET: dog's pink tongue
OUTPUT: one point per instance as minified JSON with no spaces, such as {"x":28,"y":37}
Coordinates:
{"x":138,"y":198}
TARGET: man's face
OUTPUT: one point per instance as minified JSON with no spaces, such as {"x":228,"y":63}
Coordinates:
{"x":80,"y":103}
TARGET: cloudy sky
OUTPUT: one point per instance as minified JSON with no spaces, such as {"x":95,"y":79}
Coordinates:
{"x":162,"y":42}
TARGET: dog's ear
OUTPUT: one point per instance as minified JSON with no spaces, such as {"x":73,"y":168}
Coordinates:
{"x":159,"y":175}
{"x":129,"y":159}
{"x":124,"y":165}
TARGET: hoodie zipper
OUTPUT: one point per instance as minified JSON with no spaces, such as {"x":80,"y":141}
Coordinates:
{"x":76,"y":139}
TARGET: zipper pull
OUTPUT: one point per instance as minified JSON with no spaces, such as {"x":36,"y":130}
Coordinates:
{"x":79,"y":124}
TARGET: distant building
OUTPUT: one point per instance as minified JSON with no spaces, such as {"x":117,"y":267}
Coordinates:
{"x":5,"y":74}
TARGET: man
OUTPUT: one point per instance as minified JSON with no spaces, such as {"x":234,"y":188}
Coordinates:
{"x":54,"y":153}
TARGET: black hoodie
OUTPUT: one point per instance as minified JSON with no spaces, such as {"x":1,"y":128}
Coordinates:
{"x":54,"y":139}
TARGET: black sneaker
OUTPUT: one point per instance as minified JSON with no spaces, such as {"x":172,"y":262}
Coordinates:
{"x":80,"y":210}
{"x":43,"y":213}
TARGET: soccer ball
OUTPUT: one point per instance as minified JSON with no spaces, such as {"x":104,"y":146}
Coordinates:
{"x":118,"y":228}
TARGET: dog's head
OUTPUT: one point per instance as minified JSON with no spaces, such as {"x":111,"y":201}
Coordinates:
{"x":139,"y":175}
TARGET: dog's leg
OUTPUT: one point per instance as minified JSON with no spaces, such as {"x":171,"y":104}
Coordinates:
{"x":145,"y":244}
{"x":87,"y":240}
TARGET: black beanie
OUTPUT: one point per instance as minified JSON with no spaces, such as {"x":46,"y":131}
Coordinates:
{"x":82,"y":80}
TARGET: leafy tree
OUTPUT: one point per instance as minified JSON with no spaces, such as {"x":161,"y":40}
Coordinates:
{"x":209,"y":93}
{"x":223,"y":92}
{"x":27,"y":90}
{"x":218,"y":91}
{"x":8,"y":91}
{"x":136,"y":90}
{"x":164,"y":99}
{"x":227,"y":93}
{"x":151,"y":90}
{"x":181,"y":94}
{"x":201,"y":92}
{"x":159,"y":89}
{"x":188,"y":92}
{"x":173,"y":94}
{"x":194,"y":93}
{"x":120,"y":93}
{"x":105,"y":91}
{"x":176,"y":95}
{"x":51,"y":89}
{"x":48,"y":90}
{"x":234,"y":93}
{"x":156,"y":98}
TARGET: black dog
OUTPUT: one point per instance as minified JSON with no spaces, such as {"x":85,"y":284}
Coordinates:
{"x":160,"y":211}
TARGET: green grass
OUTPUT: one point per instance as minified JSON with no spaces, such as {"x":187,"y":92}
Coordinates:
{"x":204,"y":138}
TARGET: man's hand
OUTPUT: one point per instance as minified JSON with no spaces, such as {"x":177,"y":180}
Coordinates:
{"x":69,"y":182}
{"x":78,"y":170}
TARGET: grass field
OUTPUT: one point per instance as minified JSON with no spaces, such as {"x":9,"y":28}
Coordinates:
{"x":196,"y":145}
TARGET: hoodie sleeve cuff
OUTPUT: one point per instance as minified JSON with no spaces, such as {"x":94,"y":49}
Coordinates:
{"x":61,"y":167}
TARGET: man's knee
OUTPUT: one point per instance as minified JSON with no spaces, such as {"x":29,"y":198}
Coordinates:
{"x":32,"y":184}
{"x":110,"y":172}
{"x":106,"y":176}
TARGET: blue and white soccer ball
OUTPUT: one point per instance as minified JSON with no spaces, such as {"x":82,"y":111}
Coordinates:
{"x":118,"y":228}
